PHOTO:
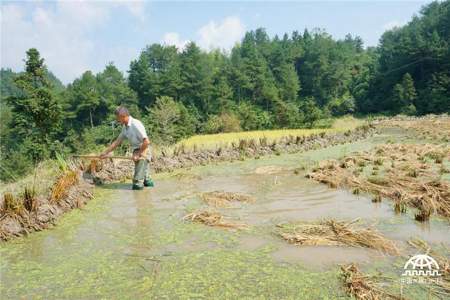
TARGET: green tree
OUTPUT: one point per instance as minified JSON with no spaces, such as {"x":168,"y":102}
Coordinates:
{"x":310,"y":112}
{"x":222,"y":94}
{"x":113,"y":90}
{"x":258,"y":81}
{"x":438,"y":93}
{"x":196,"y":79}
{"x":7,"y":86}
{"x":421,"y":49}
{"x":156,"y":73}
{"x":403,"y":95}
{"x":287,"y":115}
{"x":253,"y":117}
{"x":36,"y":111}
{"x":86,"y":100}
{"x":169,"y":121}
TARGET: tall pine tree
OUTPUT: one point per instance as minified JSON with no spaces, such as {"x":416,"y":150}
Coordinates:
{"x":36,"y":111}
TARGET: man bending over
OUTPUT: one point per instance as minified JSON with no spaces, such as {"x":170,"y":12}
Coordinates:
{"x":134,"y":131}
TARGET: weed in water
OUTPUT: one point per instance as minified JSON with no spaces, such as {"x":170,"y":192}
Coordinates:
{"x":29,"y":199}
{"x":376,"y":199}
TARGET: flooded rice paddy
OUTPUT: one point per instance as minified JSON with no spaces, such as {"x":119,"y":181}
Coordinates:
{"x":134,"y":244}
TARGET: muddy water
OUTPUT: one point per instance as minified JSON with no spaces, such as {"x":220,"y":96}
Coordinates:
{"x":285,"y":196}
{"x":128,"y":244}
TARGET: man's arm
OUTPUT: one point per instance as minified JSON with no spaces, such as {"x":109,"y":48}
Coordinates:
{"x":111,"y":147}
{"x":144,"y":146}
{"x":142,"y":133}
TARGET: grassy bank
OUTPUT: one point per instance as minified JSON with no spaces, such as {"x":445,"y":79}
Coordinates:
{"x":41,"y":179}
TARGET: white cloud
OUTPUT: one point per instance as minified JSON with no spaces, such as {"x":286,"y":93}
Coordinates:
{"x":61,"y":32}
{"x":221,"y":35}
{"x":135,"y":7}
{"x":173,"y":39}
{"x":392,"y":24}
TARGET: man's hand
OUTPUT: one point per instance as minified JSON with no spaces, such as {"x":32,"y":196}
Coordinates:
{"x":110,"y":148}
{"x":136,"y":156}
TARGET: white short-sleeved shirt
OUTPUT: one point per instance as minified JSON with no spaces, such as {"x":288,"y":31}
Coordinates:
{"x":135,"y":132}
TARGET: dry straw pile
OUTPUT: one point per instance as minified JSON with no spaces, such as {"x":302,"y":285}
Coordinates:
{"x":225,"y":199}
{"x":363,"y":287}
{"x":213,"y":218}
{"x":430,"y":127}
{"x":332,"y":232}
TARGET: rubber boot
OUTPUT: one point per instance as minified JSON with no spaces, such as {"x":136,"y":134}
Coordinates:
{"x":137,"y":186}
{"x":149,"y":182}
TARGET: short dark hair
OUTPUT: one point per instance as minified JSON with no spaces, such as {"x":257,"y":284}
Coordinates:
{"x":122,"y":111}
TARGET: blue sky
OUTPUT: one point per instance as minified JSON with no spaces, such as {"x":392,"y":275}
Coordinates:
{"x":75,"y":36}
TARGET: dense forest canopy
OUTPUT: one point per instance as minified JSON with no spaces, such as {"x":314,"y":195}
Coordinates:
{"x":263,"y":83}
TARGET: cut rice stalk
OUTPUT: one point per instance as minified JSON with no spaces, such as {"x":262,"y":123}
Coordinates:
{"x":332,"y":232}
{"x":213,"y":218}
{"x":62,"y":185}
{"x":224,"y":199}
{"x":362,"y":286}
{"x":423,"y":189}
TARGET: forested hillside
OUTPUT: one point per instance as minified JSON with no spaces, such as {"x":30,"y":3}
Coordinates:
{"x":288,"y":81}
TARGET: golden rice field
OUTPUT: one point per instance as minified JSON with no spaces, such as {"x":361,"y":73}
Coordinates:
{"x":211,"y":141}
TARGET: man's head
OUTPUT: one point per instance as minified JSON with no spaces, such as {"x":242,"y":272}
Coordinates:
{"x":122,"y":115}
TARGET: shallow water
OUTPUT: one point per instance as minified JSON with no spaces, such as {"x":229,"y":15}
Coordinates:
{"x":127,"y":244}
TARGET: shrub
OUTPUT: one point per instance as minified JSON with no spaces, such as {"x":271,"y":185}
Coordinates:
{"x":225,"y":122}
{"x":287,"y":115}
{"x":341,"y":106}
{"x":310,"y":111}
{"x":253,"y":118}
{"x":168,"y":121}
